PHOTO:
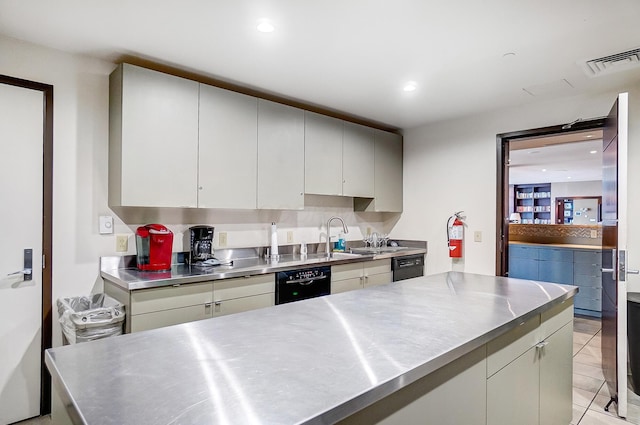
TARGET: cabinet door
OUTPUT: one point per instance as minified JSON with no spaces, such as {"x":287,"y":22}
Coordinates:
{"x":322,"y":154}
{"x":377,"y":267}
{"x":523,"y":268}
{"x":378,"y":279}
{"x":555,"y":271}
{"x":170,"y":297}
{"x":358,"y":161}
{"x":513,"y":392}
{"x":556,"y":377}
{"x":228,"y":149}
{"x":176,"y":316}
{"x":347,"y":271}
{"x":153,"y":151}
{"x":227,"y":289}
{"x":388,"y":172}
{"x":280,"y":156}
{"x":238,"y":305}
{"x":345,"y":285}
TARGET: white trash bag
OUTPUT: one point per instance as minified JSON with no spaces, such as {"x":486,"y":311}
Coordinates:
{"x":87,"y":318}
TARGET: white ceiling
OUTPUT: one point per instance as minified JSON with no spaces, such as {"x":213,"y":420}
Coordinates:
{"x":567,"y":157}
{"x":355,"y":56}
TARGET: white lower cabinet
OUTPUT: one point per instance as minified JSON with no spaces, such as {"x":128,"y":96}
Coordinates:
{"x":529,"y":371}
{"x":158,"y":307}
{"x":243,"y":294}
{"x":347,"y":277}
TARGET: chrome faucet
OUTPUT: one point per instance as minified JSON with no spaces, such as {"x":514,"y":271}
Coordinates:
{"x":344,"y":227}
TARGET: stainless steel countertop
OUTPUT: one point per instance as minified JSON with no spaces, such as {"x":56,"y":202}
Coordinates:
{"x":130,"y":278}
{"x":314,"y":361}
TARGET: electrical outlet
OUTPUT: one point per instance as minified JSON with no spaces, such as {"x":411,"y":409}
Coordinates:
{"x":477,"y":236}
{"x":368,"y":230}
{"x":594,"y":234}
{"x":290,"y":236}
{"x":222,"y":239}
{"x":122,"y":243}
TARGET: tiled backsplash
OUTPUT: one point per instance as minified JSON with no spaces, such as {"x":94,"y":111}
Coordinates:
{"x":556,"y":233}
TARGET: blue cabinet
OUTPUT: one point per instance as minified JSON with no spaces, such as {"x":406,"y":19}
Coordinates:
{"x":570,"y":266}
{"x":523,"y":262}
{"x":588,"y":276}
{"x":556,"y":265}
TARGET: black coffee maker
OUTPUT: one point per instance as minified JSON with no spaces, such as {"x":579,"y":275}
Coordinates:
{"x":201,"y":243}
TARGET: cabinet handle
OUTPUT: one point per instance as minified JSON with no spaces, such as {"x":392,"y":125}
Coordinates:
{"x":542,"y":344}
{"x":207,"y":308}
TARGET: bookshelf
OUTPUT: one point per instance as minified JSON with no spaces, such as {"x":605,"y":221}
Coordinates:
{"x":533,"y":202}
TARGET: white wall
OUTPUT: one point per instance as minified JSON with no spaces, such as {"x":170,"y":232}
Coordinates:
{"x":451,"y":166}
{"x":81,"y":100}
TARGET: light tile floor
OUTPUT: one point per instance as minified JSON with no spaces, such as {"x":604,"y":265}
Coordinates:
{"x":590,"y":394}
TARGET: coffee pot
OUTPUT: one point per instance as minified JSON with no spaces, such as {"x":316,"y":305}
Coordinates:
{"x":200,"y":243}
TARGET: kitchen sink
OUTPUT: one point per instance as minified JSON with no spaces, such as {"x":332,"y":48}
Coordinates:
{"x":379,"y":250}
{"x":346,"y":255}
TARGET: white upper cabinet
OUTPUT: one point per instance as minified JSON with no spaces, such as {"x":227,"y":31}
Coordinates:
{"x":153,"y":139}
{"x":388,"y":172}
{"x":358,"y":161}
{"x":228,"y":145}
{"x":280,"y":156}
{"x":322,"y":154}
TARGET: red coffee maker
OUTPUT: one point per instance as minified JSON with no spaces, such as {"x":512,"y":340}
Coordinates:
{"x":154,"y":244}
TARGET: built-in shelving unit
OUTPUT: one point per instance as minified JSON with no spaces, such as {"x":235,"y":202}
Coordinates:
{"x":533,"y":202}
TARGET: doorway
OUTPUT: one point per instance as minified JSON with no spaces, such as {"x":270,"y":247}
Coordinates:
{"x":505,"y":194}
{"x":26,"y":190}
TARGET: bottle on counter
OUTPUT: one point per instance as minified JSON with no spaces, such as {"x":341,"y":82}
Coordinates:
{"x":340,"y":244}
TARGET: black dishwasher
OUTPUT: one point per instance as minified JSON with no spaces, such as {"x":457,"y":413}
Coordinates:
{"x":407,"y":267}
{"x":299,"y":285}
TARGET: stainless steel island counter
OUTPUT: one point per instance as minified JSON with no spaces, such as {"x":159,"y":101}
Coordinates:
{"x":316,"y":361}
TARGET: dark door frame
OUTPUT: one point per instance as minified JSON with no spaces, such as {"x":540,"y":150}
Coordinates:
{"x":47,"y":209}
{"x":502,"y":187}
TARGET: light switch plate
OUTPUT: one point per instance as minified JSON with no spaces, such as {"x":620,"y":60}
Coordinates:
{"x":477,"y":236}
{"x":594,"y":234}
{"x":106,"y":225}
{"x":290,"y":236}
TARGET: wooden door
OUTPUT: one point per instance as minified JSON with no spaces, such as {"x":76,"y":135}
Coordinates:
{"x":614,"y":241}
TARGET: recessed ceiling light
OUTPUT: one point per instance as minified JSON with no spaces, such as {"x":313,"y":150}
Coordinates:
{"x":265,"y":26}
{"x":544,"y":169}
{"x":593,"y":151}
{"x":589,"y":135}
{"x":569,"y":177}
{"x":410,"y":86}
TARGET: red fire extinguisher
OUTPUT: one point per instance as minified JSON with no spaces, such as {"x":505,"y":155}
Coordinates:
{"x":455,"y":234}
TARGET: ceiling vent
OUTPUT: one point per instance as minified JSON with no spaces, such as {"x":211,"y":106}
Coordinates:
{"x":612,"y":63}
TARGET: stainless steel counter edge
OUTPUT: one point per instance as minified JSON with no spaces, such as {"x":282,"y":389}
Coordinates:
{"x":63,"y":392}
{"x":132,"y":279}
